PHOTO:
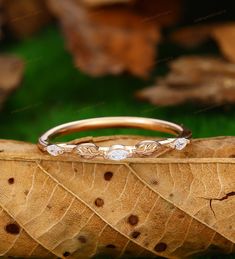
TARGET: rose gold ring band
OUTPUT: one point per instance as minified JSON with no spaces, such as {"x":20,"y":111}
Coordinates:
{"x":116,"y":152}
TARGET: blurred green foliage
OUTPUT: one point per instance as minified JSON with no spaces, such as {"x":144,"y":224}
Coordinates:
{"x":54,"y":91}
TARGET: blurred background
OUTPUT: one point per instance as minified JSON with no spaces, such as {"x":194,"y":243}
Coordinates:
{"x":63,"y":60}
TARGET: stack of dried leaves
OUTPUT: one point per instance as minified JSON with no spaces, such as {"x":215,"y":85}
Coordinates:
{"x":201,"y":79}
{"x":11,"y":73}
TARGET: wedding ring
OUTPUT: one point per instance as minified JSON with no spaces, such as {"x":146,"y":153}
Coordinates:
{"x":115,"y":152}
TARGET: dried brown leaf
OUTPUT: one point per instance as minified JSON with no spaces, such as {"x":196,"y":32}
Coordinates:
{"x":205,"y":80}
{"x":108,"y":40}
{"x":175,"y":206}
{"x":11,"y":73}
{"x":25,"y":17}
{"x":223,"y":34}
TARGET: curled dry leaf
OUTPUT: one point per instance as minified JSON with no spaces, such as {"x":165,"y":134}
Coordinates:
{"x":11,"y":73}
{"x":25,"y":17}
{"x":205,"y":80}
{"x":108,"y":40}
{"x":223,"y":34}
{"x":175,"y":206}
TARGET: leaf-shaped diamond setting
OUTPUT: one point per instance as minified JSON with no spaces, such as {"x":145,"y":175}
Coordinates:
{"x":87,"y":150}
{"x":146,"y":147}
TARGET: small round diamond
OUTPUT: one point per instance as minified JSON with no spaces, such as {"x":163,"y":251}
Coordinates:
{"x":54,"y":150}
{"x":181,"y":143}
{"x":117,"y":154}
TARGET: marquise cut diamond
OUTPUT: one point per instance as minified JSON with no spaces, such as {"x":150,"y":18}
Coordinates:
{"x":117,"y":154}
{"x":54,"y":150}
{"x":181,"y":143}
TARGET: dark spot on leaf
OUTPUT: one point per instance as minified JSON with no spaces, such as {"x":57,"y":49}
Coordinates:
{"x":108,"y":176}
{"x":49,"y":206}
{"x":11,"y":180}
{"x":99,"y":202}
{"x":110,"y":246}
{"x":160,"y":247}
{"x":181,"y":216}
{"x":13,"y":228}
{"x":232,"y":156}
{"x":171,"y":195}
{"x":154,"y":182}
{"x":66,"y":254}
{"x":133,"y":220}
{"x":1,"y":150}
{"x":82,"y":239}
{"x":135,"y":234}
{"x":26,"y":192}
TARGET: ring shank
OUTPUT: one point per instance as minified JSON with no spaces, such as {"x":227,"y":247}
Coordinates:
{"x":113,"y":122}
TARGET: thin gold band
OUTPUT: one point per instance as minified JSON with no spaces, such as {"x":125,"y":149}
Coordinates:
{"x":89,"y":150}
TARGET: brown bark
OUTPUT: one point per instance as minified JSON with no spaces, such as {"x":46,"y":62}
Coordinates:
{"x":176,"y":205}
